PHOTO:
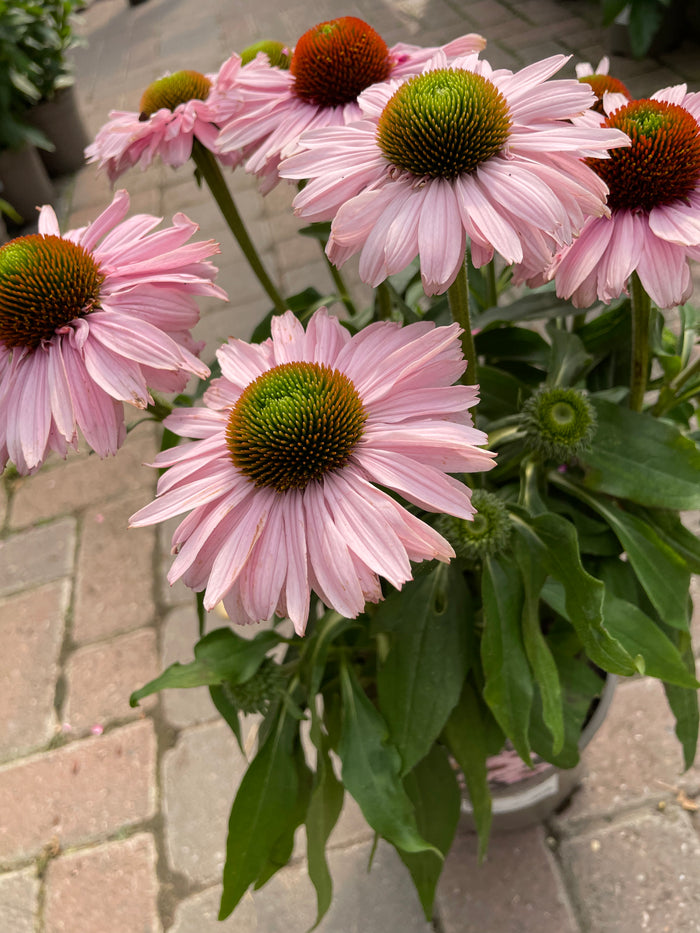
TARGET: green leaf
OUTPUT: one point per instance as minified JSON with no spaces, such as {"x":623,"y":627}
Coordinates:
{"x":641,"y":635}
{"x":661,"y":571}
{"x":542,"y":663}
{"x":228,"y":711}
{"x":534,"y":306}
{"x":220,"y":657}
{"x":636,"y":456}
{"x":432,"y":787}
{"x":281,"y":852}
{"x":671,"y":529}
{"x":684,"y":703}
{"x":372,"y":768}
{"x":645,"y":21}
{"x":322,"y":815}
{"x":569,"y":359}
{"x":508,"y":684}
{"x":553,"y":541}
{"x":428,"y":621}
{"x":501,"y":393}
{"x":466,"y":735}
{"x":611,"y":9}
{"x":267,"y":794}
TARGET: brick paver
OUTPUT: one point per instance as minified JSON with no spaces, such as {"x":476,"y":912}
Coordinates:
{"x":86,"y":614}
{"x":112,"y":888}
{"x":19,"y":901}
{"x":100,"y":679}
{"x":114,"y":584}
{"x":37,"y":556}
{"x":31,"y":633}
{"x":78,"y":793}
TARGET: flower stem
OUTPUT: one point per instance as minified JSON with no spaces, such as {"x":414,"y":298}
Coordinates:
{"x":490,"y":281}
{"x":458,"y":298}
{"x":641,"y":314}
{"x":209,"y":169}
{"x":383,"y":302}
{"x":339,"y":281}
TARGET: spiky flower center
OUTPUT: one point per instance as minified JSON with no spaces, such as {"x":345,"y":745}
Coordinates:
{"x":487,"y":534}
{"x":558,"y":422}
{"x":170,"y":91}
{"x":294,"y":424}
{"x":45,"y":283}
{"x":663,"y":163}
{"x":444,"y":123}
{"x":278,"y":54}
{"x":603,"y":84}
{"x":335,"y":61}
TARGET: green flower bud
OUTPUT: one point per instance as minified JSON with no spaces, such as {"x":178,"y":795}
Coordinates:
{"x":257,"y":694}
{"x":278,"y":53}
{"x":559,"y":423}
{"x":486,"y":535}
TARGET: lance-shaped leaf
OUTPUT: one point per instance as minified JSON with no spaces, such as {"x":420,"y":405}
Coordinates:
{"x":636,"y":456}
{"x":508,"y":685}
{"x":428,"y":620}
{"x":260,"y":812}
{"x":553,"y":541}
{"x":542,"y":663}
{"x":220,"y":657}
{"x":372,"y":769}
{"x":434,"y":791}
{"x":322,"y":815}
{"x":684,"y":702}
{"x":660,"y":569}
{"x":466,"y":735}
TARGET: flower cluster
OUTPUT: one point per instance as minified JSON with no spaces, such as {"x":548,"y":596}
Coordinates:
{"x":536,"y":473}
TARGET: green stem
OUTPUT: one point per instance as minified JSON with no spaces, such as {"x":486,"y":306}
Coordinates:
{"x":458,"y":298}
{"x":383,"y":301}
{"x":667,"y":397}
{"x":159,"y":408}
{"x":339,"y":281}
{"x":209,"y":169}
{"x":641,"y":314}
{"x":579,"y":321}
{"x":490,"y":281}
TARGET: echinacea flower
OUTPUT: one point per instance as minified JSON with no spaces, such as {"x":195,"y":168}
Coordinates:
{"x":458,"y":151}
{"x":174,"y":111}
{"x":332,"y":63}
{"x":654,"y":225}
{"x":297,"y":436}
{"x":603,"y":84}
{"x":90,"y":319}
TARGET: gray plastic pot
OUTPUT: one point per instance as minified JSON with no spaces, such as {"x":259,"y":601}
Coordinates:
{"x":60,"y":121}
{"x":25,"y":182}
{"x":537,"y":796}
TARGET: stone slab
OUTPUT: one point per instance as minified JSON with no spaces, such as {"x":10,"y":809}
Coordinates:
{"x":100,"y":678}
{"x":382,"y":899}
{"x":517,"y":888}
{"x":19,"y":894}
{"x":78,"y":793}
{"x":111,"y":888}
{"x":31,"y":634}
{"x":37,"y":556}
{"x":634,"y":757}
{"x":638,"y":875}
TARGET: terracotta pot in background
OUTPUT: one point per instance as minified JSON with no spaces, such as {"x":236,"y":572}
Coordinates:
{"x":25,"y":181}
{"x":60,"y":121}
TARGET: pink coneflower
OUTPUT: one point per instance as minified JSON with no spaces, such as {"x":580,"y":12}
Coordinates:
{"x":174,"y":111}
{"x":458,"y":151}
{"x":331,"y":65}
{"x":90,"y":319}
{"x":295,"y":435}
{"x":654,"y":226}
{"x":603,"y":84}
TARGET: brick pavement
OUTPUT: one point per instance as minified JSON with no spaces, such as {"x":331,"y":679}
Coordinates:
{"x":114,"y":819}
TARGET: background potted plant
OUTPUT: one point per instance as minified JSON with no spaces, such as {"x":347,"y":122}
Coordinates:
{"x":47,"y":38}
